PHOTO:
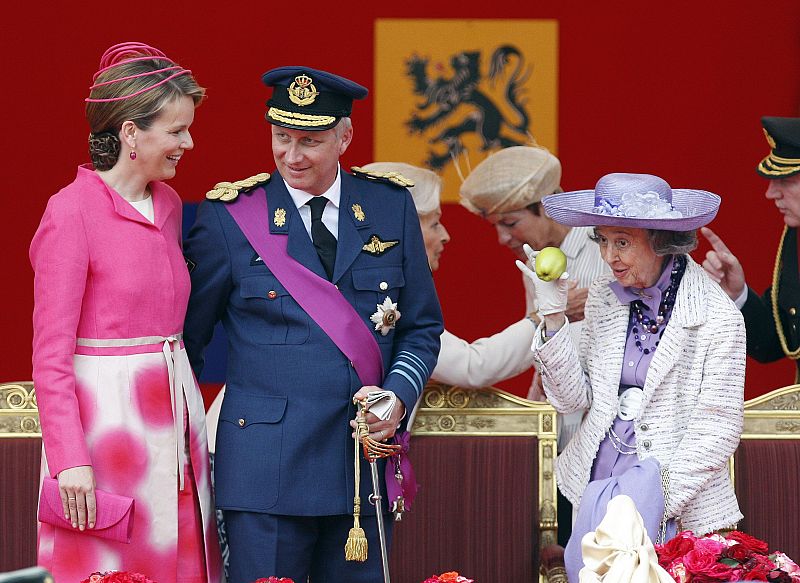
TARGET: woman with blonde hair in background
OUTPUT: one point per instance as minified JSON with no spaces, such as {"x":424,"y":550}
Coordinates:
{"x":485,"y":361}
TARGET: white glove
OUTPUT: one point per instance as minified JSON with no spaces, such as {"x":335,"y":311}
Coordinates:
{"x":381,"y":403}
{"x":550,"y":295}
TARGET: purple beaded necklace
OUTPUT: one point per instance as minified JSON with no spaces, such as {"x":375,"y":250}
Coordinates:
{"x":642,"y":325}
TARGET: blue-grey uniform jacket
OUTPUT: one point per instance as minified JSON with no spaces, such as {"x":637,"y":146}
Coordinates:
{"x":284,"y":442}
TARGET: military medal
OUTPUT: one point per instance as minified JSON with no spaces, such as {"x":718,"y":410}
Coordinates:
{"x":386,"y":317}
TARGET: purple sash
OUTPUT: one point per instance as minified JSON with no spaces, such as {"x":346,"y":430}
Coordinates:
{"x":318,"y":297}
{"x":327,"y":307}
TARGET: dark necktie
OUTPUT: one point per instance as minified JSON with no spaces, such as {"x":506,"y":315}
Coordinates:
{"x":324,"y":241}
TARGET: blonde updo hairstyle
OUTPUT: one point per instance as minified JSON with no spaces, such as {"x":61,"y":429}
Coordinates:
{"x":106,"y":118}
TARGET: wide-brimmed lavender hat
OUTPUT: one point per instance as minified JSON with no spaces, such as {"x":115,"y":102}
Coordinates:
{"x":634,"y":200}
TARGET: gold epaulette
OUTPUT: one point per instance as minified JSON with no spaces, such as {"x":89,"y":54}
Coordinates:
{"x":386,"y":177}
{"x":228,"y":191}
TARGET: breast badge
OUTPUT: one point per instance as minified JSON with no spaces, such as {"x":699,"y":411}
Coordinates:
{"x":377,"y":247}
{"x":386,"y":317}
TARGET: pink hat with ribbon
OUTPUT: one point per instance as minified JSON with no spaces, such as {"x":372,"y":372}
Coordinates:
{"x":131,"y":52}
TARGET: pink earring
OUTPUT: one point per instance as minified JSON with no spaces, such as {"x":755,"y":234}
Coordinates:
{"x":133,"y":154}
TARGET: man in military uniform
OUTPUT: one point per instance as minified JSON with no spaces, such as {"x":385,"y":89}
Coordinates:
{"x":772,"y":319}
{"x":321,"y":280}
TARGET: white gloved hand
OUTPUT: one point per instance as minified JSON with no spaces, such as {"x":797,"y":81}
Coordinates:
{"x":381,"y":403}
{"x":550,"y":295}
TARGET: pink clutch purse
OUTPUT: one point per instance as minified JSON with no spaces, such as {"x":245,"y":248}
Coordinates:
{"x":114,"y":519}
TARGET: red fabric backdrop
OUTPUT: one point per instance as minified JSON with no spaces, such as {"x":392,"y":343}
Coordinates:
{"x":675,"y":89}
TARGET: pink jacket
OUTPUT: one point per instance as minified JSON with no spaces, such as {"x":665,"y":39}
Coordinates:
{"x":99,"y":274}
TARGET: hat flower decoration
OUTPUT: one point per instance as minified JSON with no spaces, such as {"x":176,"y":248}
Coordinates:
{"x":634,"y":204}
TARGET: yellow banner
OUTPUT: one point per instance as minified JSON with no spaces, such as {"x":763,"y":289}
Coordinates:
{"x":450,"y":92}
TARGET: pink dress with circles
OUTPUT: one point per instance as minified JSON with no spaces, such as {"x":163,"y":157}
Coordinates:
{"x":109,"y":287}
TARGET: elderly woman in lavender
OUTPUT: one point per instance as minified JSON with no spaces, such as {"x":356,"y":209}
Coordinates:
{"x":660,"y":364}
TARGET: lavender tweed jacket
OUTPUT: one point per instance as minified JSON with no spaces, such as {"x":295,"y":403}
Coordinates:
{"x":692,"y":412}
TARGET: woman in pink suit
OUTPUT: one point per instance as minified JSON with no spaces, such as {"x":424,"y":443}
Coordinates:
{"x":120,"y":410}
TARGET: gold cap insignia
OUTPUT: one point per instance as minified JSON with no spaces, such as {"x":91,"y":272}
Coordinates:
{"x":388,"y":177}
{"x":228,"y":191}
{"x":377,"y":247}
{"x":770,"y":139}
{"x":280,"y":217}
{"x":302,"y":91}
{"x":358,"y":212}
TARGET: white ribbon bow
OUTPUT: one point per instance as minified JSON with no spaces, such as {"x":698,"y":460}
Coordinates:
{"x":620,"y":551}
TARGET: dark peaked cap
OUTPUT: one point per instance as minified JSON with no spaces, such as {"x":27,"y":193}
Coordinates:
{"x":308,"y":99}
{"x":783,"y":136}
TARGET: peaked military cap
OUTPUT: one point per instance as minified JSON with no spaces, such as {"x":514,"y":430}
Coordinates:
{"x":309,"y":99}
{"x":783,"y":136}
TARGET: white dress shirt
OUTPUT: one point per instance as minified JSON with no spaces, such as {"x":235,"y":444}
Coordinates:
{"x":330,"y":216}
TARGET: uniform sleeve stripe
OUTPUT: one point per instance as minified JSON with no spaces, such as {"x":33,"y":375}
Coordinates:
{"x":411,"y":369}
{"x":410,"y":364}
{"x":408,"y":378}
{"x":413,"y":357}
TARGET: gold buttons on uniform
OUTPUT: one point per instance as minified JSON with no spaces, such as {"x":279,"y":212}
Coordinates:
{"x":792,"y":311}
{"x":272,"y":294}
{"x":384,"y":286}
{"x":241,"y":422}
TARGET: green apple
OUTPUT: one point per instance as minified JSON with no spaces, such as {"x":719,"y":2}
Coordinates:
{"x":550,"y":263}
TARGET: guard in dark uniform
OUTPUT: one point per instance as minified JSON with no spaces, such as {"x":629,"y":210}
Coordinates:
{"x":321,"y":280}
{"x":771,"y":319}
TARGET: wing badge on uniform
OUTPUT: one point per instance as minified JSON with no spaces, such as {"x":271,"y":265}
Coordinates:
{"x":377,"y":247}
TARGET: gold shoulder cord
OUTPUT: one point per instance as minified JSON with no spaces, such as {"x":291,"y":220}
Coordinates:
{"x":776,"y":276}
{"x":228,"y":191}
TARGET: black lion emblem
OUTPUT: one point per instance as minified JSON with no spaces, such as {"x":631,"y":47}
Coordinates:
{"x":443,"y":96}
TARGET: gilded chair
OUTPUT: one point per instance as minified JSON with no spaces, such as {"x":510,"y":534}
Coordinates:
{"x":766,"y":469}
{"x":20,"y":460}
{"x":487,"y":501}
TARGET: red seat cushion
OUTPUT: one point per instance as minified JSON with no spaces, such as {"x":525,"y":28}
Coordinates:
{"x":476,"y":511}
